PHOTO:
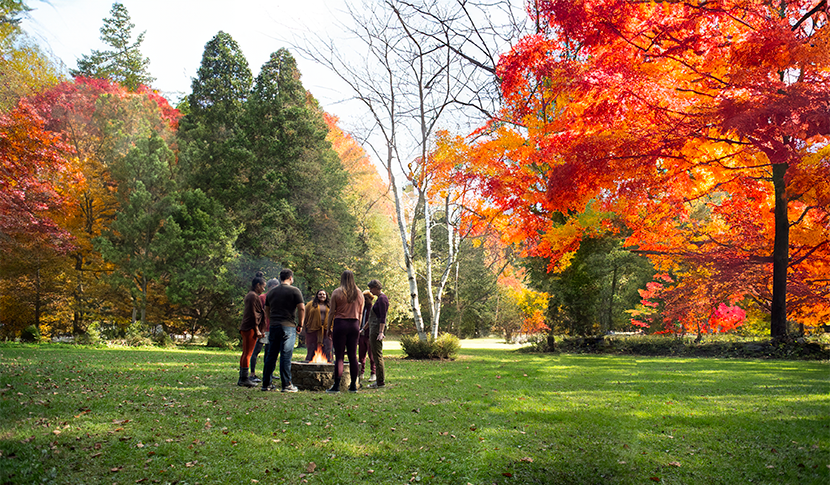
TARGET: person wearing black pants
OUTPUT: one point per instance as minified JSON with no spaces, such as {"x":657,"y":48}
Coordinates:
{"x":346,"y":309}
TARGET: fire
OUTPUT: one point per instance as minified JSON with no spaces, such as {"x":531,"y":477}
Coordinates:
{"x":319,"y":358}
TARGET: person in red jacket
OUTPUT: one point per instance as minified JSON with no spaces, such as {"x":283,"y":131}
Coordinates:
{"x":253,"y":317}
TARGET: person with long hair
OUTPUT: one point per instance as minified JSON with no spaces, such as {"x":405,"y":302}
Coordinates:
{"x":253,"y":317}
{"x":316,"y":312}
{"x":344,"y":315}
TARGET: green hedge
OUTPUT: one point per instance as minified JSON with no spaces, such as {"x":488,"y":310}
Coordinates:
{"x":724,"y":346}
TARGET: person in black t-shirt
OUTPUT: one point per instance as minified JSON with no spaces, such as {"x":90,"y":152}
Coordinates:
{"x":281,"y":303}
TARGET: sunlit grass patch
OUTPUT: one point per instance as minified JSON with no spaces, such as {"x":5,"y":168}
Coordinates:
{"x":77,"y":415}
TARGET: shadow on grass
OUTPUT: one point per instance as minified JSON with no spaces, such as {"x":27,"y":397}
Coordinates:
{"x":73,"y":415}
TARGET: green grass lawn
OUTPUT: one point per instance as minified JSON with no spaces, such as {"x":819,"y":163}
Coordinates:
{"x":85,"y":416}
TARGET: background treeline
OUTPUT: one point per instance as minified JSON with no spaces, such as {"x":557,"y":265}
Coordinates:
{"x":136,"y":217}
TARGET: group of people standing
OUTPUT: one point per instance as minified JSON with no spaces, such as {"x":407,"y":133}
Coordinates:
{"x":275,"y":311}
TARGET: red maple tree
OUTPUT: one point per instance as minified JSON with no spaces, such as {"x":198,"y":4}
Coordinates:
{"x":33,"y":166}
{"x":703,"y":125}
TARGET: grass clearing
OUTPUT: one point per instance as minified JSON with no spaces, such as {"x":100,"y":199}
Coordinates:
{"x":79,"y":415}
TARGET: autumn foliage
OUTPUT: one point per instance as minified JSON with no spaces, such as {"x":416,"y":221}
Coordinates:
{"x":31,"y":180}
{"x":703,"y":126}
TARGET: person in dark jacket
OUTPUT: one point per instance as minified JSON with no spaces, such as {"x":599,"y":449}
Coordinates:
{"x":252,"y":320}
{"x":377,"y":327}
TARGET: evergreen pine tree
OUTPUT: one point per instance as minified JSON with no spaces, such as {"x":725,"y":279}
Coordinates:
{"x":123,"y":64}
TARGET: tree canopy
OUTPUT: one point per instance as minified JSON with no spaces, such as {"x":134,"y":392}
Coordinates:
{"x":124,"y":63}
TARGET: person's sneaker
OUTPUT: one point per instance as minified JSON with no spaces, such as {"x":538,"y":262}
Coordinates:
{"x":254,"y":378}
{"x":353,"y":389}
{"x":373,"y":378}
{"x":333,"y":390}
{"x":290,"y":388}
{"x":375,"y":385}
{"x":269,"y":388}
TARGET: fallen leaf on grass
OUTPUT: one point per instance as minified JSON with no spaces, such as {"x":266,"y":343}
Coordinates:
{"x":141,"y":480}
{"x":654,"y":479}
{"x":527,"y":459}
{"x":96,"y":455}
{"x":674,"y":463}
{"x":311,"y":467}
{"x":116,"y":469}
{"x":507,"y":474}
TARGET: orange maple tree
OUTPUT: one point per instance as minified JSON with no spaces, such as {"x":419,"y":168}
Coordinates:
{"x":703,"y":125}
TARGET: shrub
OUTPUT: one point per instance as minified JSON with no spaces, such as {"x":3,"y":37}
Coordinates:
{"x":540,"y":343}
{"x":163,"y":339}
{"x":30,"y":334}
{"x":414,"y":347}
{"x":220,"y":340}
{"x":445,"y":346}
{"x":137,"y":336}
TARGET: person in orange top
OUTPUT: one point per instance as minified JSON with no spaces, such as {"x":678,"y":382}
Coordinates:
{"x":316,"y":312}
{"x":344,"y":316}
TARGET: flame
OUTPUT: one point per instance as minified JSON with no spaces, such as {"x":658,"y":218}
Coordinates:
{"x":319,"y":358}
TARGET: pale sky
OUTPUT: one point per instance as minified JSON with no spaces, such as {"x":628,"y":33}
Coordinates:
{"x":177,"y":31}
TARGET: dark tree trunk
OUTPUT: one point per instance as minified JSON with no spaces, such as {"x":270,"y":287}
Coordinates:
{"x":611,"y":300}
{"x":37,"y":296}
{"x":780,"y":254}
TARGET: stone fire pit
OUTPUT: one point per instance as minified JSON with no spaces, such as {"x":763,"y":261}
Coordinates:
{"x":313,"y":376}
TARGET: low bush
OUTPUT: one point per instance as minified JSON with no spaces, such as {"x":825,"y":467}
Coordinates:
{"x":30,"y":334}
{"x":137,"y":336}
{"x":446,"y":346}
{"x":218,"y":339}
{"x":163,"y":339}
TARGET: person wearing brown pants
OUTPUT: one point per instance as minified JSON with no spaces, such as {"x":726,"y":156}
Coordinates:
{"x":377,"y":327}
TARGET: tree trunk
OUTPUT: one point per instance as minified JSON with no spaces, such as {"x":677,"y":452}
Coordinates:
{"x":434,"y":311}
{"x":37,"y":296}
{"x":780,"y":254}
{"x":414,"y":302}
{"x":611,"y":299}
{"x":78,"y":314}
